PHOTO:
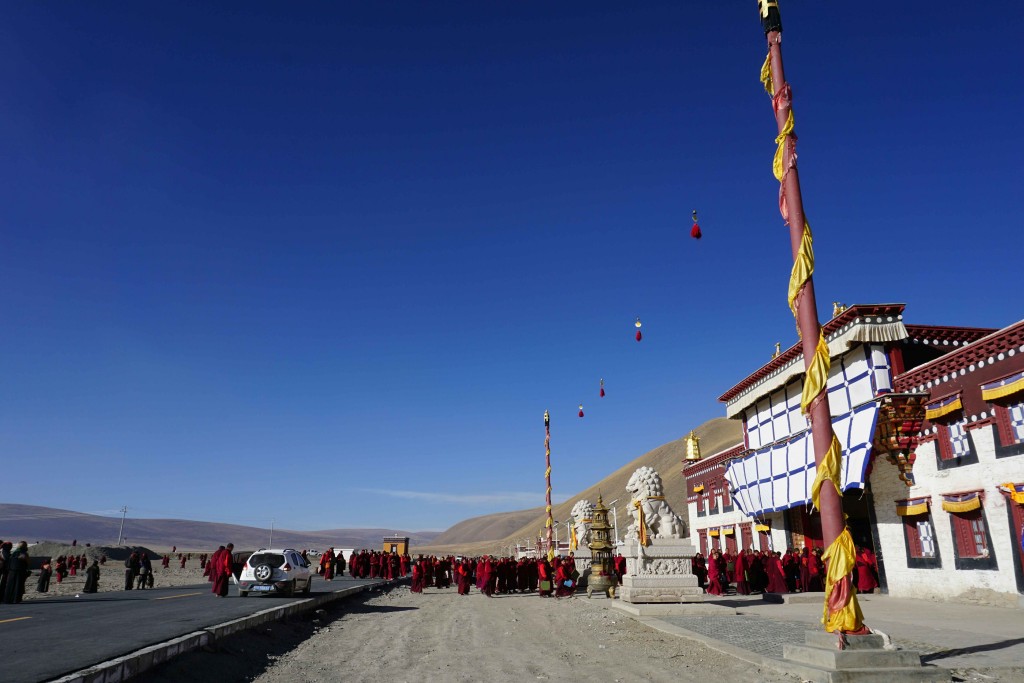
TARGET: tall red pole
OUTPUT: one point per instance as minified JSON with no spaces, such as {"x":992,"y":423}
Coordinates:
{"x":803,"y":301}
{"x":547,"y":479}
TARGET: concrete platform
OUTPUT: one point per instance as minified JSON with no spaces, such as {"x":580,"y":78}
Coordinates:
{"x":656,"y":609}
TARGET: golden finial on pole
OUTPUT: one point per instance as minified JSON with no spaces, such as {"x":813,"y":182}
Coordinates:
{"x":692,"y":447}
{"x":778,"y":350}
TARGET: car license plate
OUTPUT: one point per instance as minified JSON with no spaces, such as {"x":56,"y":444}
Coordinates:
{"x":262,"y":588}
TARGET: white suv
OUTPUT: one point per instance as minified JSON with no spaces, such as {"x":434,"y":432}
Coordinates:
{"x":275,"y":571}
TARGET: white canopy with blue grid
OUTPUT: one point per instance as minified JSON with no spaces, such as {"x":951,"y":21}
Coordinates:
{"x":779,"y":476}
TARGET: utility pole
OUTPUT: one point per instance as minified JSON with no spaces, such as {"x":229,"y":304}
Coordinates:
{"x":271,"y":544}
{"x":124,"y":511}
{"x":845,"y":617}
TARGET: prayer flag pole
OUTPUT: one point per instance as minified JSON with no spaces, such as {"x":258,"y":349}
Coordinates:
{"x":547,"y":479}
{"x":841,"y":611}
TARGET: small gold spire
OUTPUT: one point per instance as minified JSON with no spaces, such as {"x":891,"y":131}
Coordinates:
{"x":837,"y":308}
{"x":692,"y":447}
{"x":778,"y":350}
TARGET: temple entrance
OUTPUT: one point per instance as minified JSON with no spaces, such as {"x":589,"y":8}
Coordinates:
{"x":804,"y":527}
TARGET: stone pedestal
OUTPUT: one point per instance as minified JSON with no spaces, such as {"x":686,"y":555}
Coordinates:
{"x":863,"y":660}
{"x":660,"y":572}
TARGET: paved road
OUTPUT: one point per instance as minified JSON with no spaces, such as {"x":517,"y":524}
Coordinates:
{"x":44,"y":639}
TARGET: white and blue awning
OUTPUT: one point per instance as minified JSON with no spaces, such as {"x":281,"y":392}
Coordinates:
{"x":779,"y":476}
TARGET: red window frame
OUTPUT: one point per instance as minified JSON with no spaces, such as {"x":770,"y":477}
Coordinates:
{"x":703,"y":536}
{"x":1002,"y":411}
{"x":970,"y":533}
{"x":910,"y":530}
{"x":726,"y":501}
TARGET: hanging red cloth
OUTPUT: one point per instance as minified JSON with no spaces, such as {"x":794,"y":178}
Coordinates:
{"x":602,"y":389}
{"x":695,"y":230}
{"x":581,"y":410}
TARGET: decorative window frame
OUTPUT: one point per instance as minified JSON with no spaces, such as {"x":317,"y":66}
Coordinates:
{"x":944,"y":456}
{"x":1006,"y":442}
{"x":960,"y":529}
{"x":912,"y":542}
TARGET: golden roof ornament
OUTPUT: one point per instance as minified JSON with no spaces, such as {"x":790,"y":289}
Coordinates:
{"x":692,"y":447}
{"x":778,"y":350}
{"x":837,"y":308}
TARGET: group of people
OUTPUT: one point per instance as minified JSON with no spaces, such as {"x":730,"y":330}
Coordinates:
{"x":762,"y":571}
{"x":502,"y":575}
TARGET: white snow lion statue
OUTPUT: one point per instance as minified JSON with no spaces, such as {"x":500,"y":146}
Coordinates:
{"x":582,"y":514}
{"x":652,"y":516}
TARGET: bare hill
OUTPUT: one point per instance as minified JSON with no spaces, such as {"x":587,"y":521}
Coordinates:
{"x":487,"y":527}
{"x":33,"y":523}
{"x":469,"y":536}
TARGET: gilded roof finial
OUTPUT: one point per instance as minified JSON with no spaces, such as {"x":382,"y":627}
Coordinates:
{"x":778,"y":350}
{"x":837,"y":308}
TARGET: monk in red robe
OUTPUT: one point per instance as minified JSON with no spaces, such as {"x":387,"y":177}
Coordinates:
{"x":866,"y":571}
{"x":740,"y":573}
{"x":715,"y":573}
{"x":776,"y":577}
{"x":220,"y":569}
{"x":326,"y":568}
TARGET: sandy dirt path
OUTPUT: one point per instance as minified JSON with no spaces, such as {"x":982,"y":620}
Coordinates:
{"x":396,"y":635}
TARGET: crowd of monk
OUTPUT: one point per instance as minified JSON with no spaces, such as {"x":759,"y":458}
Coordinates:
{"x":745,"y":572}
{"x":761,"y":571}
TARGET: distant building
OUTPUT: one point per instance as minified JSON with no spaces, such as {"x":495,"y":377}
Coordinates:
{"x":931,"y":421}
{"x":396,"y":544}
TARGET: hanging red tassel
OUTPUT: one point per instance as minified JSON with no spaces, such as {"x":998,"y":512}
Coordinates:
{"x":639,"y":336}
{"x":695,"y":230}
{"x":602,"y":389}
{"x":638,"y":324}
{"x":581,"y":410}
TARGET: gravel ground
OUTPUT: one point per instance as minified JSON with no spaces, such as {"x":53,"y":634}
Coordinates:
{"x":388,"y":636}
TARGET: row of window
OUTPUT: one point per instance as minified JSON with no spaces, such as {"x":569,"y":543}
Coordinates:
{"x":971,"y":542}
{"x":724,"y":539}
{"x":955,"y":444}
{"x":707,"y":501}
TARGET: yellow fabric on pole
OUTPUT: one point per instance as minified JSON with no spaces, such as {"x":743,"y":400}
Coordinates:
{"x":766,"y":75}
{"x":1003,"y":391}
{"x":780,"y":142}
{"x":840,"y":558}
{"x":962,"y":505}
{"x":828,"y":470}
{"x":816,"y":376}
{"x":641,"y":522}
{"x":803,"y":268}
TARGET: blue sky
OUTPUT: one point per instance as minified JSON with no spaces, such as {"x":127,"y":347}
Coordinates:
{"x":329,"y":263}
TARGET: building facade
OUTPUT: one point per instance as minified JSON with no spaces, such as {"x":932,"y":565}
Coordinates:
{"x":931,"y":421}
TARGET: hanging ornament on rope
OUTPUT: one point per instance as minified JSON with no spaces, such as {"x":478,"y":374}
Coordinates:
{"x":602,"y":388}
{"x":638,"y":325}
{"x":581,"y":410}
{"x":695,"y":230}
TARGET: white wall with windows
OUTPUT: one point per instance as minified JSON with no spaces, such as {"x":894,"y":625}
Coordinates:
{"x":945,"y":555}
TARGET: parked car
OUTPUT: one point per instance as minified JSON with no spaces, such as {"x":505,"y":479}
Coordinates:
{"x":281,"y":572}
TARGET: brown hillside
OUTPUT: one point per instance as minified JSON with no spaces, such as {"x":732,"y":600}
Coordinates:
{"x":487,"y":527}
{"x":469,"y":536}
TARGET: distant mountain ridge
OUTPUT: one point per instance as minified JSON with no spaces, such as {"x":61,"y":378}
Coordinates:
{"x":35,"y":523}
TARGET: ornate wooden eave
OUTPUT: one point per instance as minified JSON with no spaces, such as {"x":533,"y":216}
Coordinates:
{"x":898,"y":431}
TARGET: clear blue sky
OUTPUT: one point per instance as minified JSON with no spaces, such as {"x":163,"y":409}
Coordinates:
{"x":329,"y":263}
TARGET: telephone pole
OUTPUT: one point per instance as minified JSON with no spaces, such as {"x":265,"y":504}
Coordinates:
{"x":124,"y":511}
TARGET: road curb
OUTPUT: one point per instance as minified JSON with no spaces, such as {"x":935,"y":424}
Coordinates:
{"x":127,"y":666}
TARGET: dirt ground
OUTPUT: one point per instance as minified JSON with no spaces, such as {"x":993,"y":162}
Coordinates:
{"x":389,"y":636}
